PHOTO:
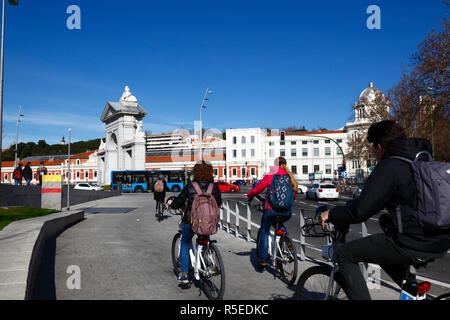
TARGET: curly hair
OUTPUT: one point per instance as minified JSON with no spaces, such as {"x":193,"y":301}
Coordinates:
{"x":203,"y":172}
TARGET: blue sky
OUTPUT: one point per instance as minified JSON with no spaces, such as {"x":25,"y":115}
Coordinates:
{"x":270,"y":63}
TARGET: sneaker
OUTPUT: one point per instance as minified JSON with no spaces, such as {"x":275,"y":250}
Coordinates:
{"x":262,"y":263}
{"x":184,"y":281}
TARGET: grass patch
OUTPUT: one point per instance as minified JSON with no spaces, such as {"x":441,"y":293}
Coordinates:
{"x":8,"y":215}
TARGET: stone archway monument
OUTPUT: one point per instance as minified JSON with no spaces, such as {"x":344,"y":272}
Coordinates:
{"x":124,"y":148}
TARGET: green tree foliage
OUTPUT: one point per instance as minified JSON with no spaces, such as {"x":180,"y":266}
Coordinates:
{"x":42,"y":148}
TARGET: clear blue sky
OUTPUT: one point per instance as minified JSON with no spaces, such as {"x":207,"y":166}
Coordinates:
{"x":270,"y":63}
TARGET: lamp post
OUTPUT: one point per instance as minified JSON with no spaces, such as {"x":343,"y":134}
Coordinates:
{"x":68,"y":173}
{"x":201,"y":124}
{"x":19,"y":114}
{"x":11,"y":2}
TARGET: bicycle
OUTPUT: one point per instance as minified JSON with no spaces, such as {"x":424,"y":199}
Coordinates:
{"x":283,"y":254}
{"x":325,"y":282}
{"x":205,"y":261}
{"x":160,"y":207}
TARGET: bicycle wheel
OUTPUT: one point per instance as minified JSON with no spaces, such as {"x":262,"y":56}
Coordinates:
{"x":212,"y":276}
{"x":313,"y":284}
{"x":159,"y":211}
{"x":176,"y":246}
{"x":445,"y":296}
{"x":287,"y":261}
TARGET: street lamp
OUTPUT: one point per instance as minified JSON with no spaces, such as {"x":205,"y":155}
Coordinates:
{"x":68,"y":173}
{"x":11,"y":2}
{"x":208,"y":91}
{"x":19,"y":114}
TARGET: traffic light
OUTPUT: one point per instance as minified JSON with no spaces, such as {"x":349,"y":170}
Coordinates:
{"x":344,"y":167}
{"x":282,"y":133}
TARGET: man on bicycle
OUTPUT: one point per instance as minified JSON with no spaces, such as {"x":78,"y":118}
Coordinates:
{"x":280,"y":168}
{"x":159,"y":191}
{"x":391,"y":184}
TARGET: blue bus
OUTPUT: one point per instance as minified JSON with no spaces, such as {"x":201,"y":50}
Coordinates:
{"x":143,"y":180}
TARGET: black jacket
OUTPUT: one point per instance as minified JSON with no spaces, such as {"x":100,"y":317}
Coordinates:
{"x":27,"y":173}
{"x":187,"y":195}
{"x":160,"y":195}
{"x":391,"y":183}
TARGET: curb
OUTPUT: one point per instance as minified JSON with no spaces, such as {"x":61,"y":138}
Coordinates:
{"x":22,"y":244}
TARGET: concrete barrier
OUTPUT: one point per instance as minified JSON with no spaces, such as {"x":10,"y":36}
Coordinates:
{"x":22,"y":244}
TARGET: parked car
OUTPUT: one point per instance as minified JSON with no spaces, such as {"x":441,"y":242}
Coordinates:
{"x":239,"y":183}
{"x":322,"y":191}
{"x":225,"y":186}
{"x":357,"y":192}
{"x":87,"y":186}
{"x":302,"y":189}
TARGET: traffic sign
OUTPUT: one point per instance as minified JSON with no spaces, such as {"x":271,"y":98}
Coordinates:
{"x":345,"y":174}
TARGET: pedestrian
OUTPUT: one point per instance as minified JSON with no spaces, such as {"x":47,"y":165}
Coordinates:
{"x":27,"y":173}
{"x":18,"y":175}
{"x":42,"y":170}
{"x":159,"y":191}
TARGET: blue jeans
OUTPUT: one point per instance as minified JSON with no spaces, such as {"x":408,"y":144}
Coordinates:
{"x":18,"y":182}
{"x":28,"y":181}
{"x":266,"y":222}
{"x":186,"y":240}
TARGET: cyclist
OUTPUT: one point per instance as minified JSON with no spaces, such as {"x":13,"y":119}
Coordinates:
{"x":203,"y":175}
{"x":390,"y":184}
{"x":159,"y":191}
{"x":280,"y":168}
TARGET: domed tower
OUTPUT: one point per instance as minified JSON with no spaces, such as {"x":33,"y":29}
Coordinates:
{"x":365,"y":101}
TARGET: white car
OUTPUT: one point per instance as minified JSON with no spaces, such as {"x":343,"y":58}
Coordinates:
{"x":88,"y":186}
{"x":302,"y":189}
{"x":322,"y":191}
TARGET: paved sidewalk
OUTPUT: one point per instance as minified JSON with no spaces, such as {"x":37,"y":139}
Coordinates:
{"x":128,"y":256}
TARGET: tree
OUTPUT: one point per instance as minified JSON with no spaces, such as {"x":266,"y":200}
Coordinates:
{"x":421,"y":99}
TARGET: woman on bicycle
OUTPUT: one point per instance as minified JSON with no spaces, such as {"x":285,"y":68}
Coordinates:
{"x":280,"y":168}
{"x":159,"y":191}
{"x":203,"y":175}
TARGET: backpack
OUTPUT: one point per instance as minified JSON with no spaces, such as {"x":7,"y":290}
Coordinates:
{"x":159,"y":186}
{"x":204,"y":212}
{"x":17,"y":174}
{"x":281,"y":195}
{"x":432,"y":180}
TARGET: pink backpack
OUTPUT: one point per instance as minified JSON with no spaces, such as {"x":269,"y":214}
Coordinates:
{"x":204,"y":212}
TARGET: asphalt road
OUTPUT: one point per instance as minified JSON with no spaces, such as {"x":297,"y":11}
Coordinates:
{"x":438,"y":271}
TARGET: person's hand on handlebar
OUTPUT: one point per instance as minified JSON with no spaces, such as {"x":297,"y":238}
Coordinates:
{"x":324,"y":218}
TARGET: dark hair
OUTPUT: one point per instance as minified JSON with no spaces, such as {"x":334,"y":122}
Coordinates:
{"x":28,"y":163}
{"x":384,"y":132}
{"x":203,"y":172}
{"x":42,"y":162}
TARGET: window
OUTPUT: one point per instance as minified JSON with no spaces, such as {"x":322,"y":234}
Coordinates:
{"x":293,"y":142}
{"x":224,"y":172}
{"x":78,"y":174}
{"x":293,"y":152}
{"x":316,"y":152}
{"x":304,"y":152}
{"x":243,"y":153}
{"x":216,"y":172}
{"x":252,"y":153}
{"x":95,"y":174}
{"x":282,"y":143}
{"x":328,"y":168}
{"x":234,"y":140}
{"x":327,"y":141}
{"x":339,"y":140}
{"x":338,"y":151}
{"x":316,"y":141}
{"x":234,"y":172}
{"x":282,"y":153}
{"x":5,"y":176}
{"x":316,"y":168}
{"x":305,"y":169}
{"x":243,"y":140}
{"x":271,"y":153}
{"x":243,"y":172}
{"x":294,"y":169}
{"x":327,"y":151}
{"x":252,"y":139}
{"x":271,"y":144}
{"x":304,"y":142}
{"x":234,"y":153}
{"x":253,"y":171}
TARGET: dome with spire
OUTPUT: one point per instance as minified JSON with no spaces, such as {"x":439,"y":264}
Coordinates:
{"x":369,"y":94}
